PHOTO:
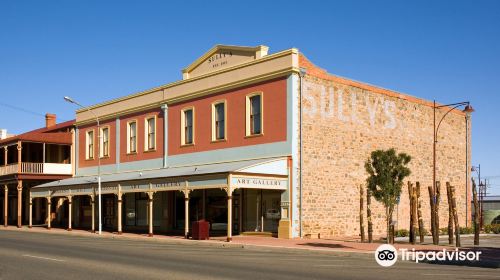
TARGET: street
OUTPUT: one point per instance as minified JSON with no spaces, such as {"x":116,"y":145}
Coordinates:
{"x":26,"y":255}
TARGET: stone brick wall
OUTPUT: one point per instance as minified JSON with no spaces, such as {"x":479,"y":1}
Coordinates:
{"x":343,"y":122}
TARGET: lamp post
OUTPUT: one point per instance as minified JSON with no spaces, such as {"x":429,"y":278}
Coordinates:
{"x":467,"y":110}
{"x":70,"y":100}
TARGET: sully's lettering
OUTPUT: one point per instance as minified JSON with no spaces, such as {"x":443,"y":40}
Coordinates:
{"x":219,"y":59}
{"x":349,"y":108}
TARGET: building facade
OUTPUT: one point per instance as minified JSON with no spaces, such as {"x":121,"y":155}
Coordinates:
{"x":251,"y":142}
{"x":29,"y":159}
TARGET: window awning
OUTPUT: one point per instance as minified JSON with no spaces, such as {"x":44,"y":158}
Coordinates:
{"x":260,"y":173}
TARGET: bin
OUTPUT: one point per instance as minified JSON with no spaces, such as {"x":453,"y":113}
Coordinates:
{"x":200,"y":230}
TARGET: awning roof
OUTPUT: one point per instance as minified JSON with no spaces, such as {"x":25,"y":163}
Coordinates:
{"x":276,"y":166}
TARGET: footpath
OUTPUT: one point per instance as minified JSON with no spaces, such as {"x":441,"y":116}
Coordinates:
{"x":324,"y":245}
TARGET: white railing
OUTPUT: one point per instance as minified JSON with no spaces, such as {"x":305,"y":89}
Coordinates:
{"x":8,"y":169}
{"x":37,"y":168}
{"x":32,"y":167}
{"x":57,"y":168}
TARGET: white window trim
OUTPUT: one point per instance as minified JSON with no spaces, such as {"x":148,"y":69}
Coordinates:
{"x":214,"y":136}
{"x":146,"y":138}
{"x":88,"y":156}
{"x":101,"y":141}
{"x":128,"y":136}
{"x":247,"y":113}
{"x":183,"y":122}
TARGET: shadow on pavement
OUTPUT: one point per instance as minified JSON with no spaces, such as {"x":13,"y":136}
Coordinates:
{"x":323,"y":245}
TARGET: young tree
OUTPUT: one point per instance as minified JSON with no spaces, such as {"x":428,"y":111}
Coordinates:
{"x":387,"y":170}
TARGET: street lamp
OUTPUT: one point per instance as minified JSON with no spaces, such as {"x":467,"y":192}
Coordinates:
{"x":71,"y":100}
{"x":467,"y":110}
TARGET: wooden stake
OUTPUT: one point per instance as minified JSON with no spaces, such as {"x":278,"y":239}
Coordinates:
{"x":436,"y":210}
{"x":412,"y":217}
{"x":361,"y":222}
{"x":450,"y":214}
{"x":419,"y":214}
{"x":476,"y":213}
{"x":369,"y":215}
{"x":455,"y":217}
{"x":431,"y":200}
{"x":414,"y":213}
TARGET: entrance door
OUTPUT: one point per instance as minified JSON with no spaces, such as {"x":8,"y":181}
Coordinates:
{"x":261,"y":210}
{"x":236,"y":212}
{"x":109,"y":213}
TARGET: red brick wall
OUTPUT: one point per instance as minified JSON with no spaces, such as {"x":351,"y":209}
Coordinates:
{"x":82,"y":161}
{"x":274,"y":100}
{"x":141,"y":154}
{"x":124,"y":157}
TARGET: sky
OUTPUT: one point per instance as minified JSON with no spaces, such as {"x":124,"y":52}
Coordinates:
{"x":95,"y":51}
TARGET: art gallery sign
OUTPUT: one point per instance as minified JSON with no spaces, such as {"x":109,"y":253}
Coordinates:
{"x":259,"y":183}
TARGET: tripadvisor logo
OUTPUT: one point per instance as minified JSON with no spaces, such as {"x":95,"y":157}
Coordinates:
{"x":386,"y":255}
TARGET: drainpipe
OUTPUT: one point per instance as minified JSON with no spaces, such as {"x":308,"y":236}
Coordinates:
{"x":301,"y":76}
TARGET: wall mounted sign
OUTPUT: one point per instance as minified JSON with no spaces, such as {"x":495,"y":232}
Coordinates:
{"x":259,"y":182}
{"x":220,"y":57}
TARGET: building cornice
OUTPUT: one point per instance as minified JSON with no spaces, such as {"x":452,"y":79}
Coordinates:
{"x":166,"y":99}
{"x":181,"y":82}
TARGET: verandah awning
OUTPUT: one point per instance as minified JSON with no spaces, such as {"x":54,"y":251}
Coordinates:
{"x":259,"y":173}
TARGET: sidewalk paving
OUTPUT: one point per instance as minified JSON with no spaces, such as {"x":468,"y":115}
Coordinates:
{"x":323,"y":245}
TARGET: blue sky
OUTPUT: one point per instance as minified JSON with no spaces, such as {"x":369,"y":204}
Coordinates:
{"x":98,"y":50}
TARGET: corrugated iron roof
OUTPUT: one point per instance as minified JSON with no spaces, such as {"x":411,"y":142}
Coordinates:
{"x":44,"y":135}
{"x":158,"y":173}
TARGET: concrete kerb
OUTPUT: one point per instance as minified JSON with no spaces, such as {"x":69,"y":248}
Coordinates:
{"x":190,"y":242}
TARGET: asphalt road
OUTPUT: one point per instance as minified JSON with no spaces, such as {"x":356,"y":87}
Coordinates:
{"x":25,"y":255}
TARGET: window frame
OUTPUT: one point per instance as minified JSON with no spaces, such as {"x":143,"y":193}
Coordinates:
{"x":101,"y":141}
{"x":89,"y":156}
{"x":183,"y":126}
{"x":214,"y":126}
{"x":146,"y":133}
{"x":129,"y":151}
{"x":248,"y":97}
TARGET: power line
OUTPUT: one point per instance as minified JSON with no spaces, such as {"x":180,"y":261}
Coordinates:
{"x":25,"y":110}
{"x":21,"y":109}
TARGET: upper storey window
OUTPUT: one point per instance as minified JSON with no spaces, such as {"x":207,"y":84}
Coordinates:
{"x":150,"y":134}
{"x":254,"y":114}
{"x":187,"y":126}
{"x":132,"y":137}
{"x":219,"y":121}
{"x":89,"y":154}
{"x":104,"y":148}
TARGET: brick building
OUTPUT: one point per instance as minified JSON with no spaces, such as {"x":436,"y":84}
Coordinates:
{"x":252,"y":141}
{"x":29,"y":159}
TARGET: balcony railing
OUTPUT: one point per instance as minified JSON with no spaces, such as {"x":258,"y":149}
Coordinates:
{"x":37,"y":168}
{"x":8,"y":169}
{"x":32,"y":167}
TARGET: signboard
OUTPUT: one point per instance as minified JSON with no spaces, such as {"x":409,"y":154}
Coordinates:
{"x":220,"y":57}
{"x":154,"y":185}
{"x":259,"y":182}
{"x":73,"y":191}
